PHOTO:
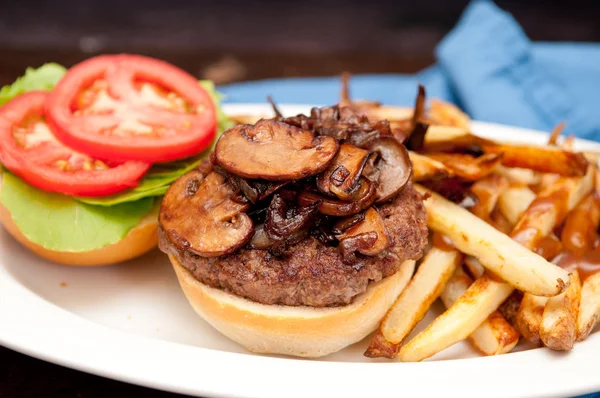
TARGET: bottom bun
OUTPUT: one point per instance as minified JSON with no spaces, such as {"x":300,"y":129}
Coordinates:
{"x":298,"y":331}
{"x":138,"y":241}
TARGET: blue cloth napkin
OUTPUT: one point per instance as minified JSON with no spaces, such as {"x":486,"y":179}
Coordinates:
{"x":486,"y":65}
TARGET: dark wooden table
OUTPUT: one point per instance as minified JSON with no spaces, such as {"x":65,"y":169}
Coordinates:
{"x":230,"y":41}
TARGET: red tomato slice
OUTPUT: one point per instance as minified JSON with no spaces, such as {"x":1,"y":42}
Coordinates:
{"x":30,"y":150}
{"x":130,"y":107}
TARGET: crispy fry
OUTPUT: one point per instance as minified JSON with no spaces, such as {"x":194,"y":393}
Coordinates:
{"x":396,"y":115}
{"x":558,"y":329}
{"x":501,"y":223}
{"x":558,"y":129}
{"x":519,"y":176}
{"x":427,"y":169}
{"x":488,"y":191}
{"x":450,"y":138}
{"x":496,"y":251}
{"x":529,"y":317}
{"x":544,"y":159}
{"x":579,"y":231}
{"x":448,"y":114}
{"x":546,"y":180}
{"x":424,"y":288}
{"x":568,"y":144}
{"x":474,"y":266}
{"x":469,"y":167}
{"x":495,"y":335}
{"x":381,"y":348}
{"x":550,"y":208}
{"x":546,"y":212}
{"x":514,"y":201}
{"x":589,"y":307}
{"x":467,"y":313}
{"x":510,"y":307}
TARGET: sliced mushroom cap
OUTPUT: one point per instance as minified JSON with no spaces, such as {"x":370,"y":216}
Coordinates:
{"x":373,"y":222}
{"x":274,"y":151}
{"x":392,"y":166}
{"x":362,"y":197}
{"x":343,"y":173}
{"x":198,"y":214}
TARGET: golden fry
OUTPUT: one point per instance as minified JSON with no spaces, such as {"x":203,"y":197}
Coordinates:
{"x":544,"y":159}
{"x":558,"y":329}
{"x":495,"y":335}
{"x":427,"y":169}
{"x":497,"y":252}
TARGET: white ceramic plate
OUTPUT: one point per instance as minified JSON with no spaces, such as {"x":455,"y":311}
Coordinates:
{"x":131,"y":322}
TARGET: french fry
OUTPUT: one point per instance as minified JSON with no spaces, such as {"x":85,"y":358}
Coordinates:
{"x":414,"y":301}
{"x":579,"y":231}
{"x":449,"y":138}
{"x":381,"y":348}
{"x":550,"y":208}
{"x":427,"y":169}
{"x":393,"y":114}
{"x":529,"y":317}
{"x":546,"y":212}
{"x":474,"y":266}
{"x":488,"y":191}
{"x":519,"y":176}
{"x":544,"y":159}
{"x":556,"y":132}
{"x":469,"y":167}
{"x":514,"y":201}
{"x":495,"y":335}
{"x":448,"y":114}
{"x":459,"y":321}
{"x":510,"y":307}
{"x":589,"y":307}
{"x":497,"y":252}
{"x":558,"y":329}
{"x":501,"y":223}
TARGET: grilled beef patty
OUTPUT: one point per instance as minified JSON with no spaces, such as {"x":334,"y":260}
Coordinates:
{"x":311,"y":273}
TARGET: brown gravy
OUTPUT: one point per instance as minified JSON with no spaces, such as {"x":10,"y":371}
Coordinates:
{"x":587,"y":264}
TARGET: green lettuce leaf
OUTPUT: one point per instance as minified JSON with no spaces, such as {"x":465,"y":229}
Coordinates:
{"x":43,"y":78}
{"x":58,"y":222}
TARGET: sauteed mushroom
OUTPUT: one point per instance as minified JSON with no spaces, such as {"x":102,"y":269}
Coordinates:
{"x":274,"y":151}
{"x":342,"y":175}
{"x":362,"y":197}
{"x":362,"y":233}
{"x":393,"y":167}
{"x":199,"y":214}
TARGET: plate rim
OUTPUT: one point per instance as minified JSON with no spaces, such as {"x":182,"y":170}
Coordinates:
{"x":31,"y":325}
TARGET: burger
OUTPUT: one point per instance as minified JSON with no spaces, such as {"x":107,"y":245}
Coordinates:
{"x":299,"y":233}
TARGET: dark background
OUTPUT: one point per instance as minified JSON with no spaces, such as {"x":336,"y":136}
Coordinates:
{"x":247,"y":40}
{"x":239,"y":40}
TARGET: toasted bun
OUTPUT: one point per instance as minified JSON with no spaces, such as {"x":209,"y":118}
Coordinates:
{"x":138,"y":241}
{"x":297,"y":331}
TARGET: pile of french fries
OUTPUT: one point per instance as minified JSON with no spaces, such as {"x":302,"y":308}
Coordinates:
{"x":499,"y":215}
{"x":502,"y":214}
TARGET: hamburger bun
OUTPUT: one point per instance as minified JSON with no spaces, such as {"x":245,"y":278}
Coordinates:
{"x":138,"y":241}
{"x":297,"y":331}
